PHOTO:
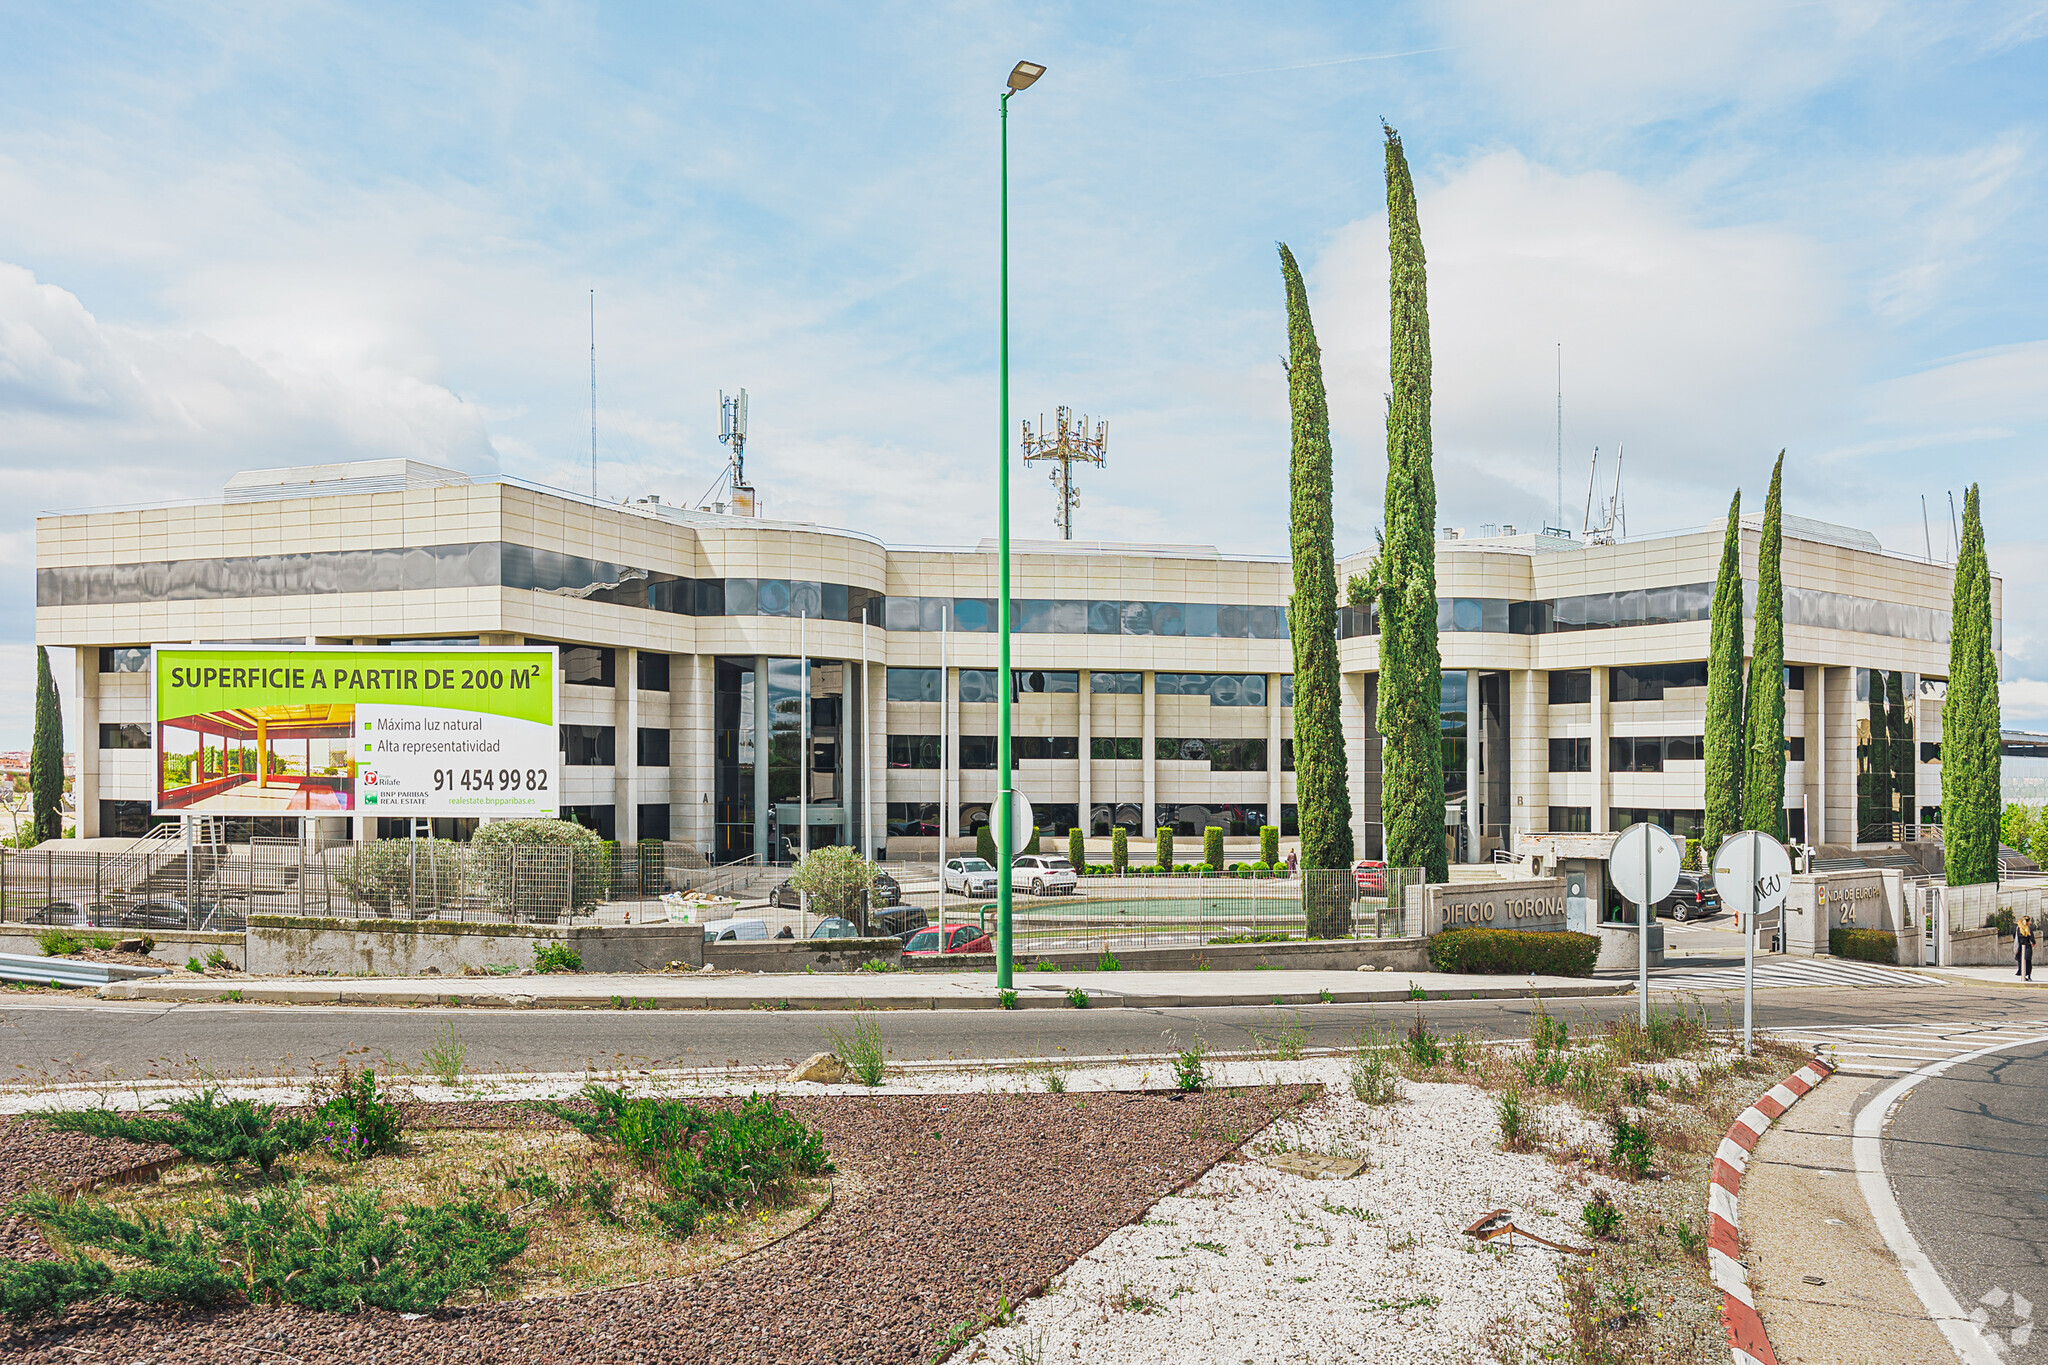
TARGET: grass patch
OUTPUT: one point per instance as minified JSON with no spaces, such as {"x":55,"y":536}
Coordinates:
{"x":1376,"y":1070}
{"x":556,"y":957}
{"x":445,"y":1056}
{"x":1282,"y":1045}
{"x":860,"y":1050}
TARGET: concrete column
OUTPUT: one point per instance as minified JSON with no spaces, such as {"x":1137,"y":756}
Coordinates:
{"x":85,"y":788}
{"x":1599,"y":732}
{"x":1274,"y":735}
{"x":761,"y":735}
{"x":1151,"y":768}
{"x":626,"y":751}
{"x":1817,"y":753}
{"x":1085,"y":788}
{"x":875,"y":736}
{"x":1529,"y":769}
{"x":1475,"y":733}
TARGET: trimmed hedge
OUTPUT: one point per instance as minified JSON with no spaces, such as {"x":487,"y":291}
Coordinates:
{"x":1864,"y":945}
{"x":1212,"y":846}
{"x":1510,"y":951}
{"x":1119,"y":848}
{"x":1162,"y":841}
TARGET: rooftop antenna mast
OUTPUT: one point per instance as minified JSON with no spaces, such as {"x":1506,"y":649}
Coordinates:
{"x":1617,"y":513}
{"x":1560,"y":435}
{"x":1926,"y":535}
{"x":1069,"y":444}
{"x":1592,"y":477}
{"x":593,"y":393}
{"x":732,"y":431}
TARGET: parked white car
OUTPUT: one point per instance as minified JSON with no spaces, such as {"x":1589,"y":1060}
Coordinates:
{"x":969,"y":877}
{"x":736,"y":931}
{"x":1043,"y":875}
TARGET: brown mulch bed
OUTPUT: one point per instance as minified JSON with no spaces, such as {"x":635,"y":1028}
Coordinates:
{"x":33,"y":1156}
{"x":954,"y":1202}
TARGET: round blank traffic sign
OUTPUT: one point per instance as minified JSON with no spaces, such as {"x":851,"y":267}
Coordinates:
{"x":1022,"y":821}
{"x":1753,"y":872}
{"x":1639,"y":847}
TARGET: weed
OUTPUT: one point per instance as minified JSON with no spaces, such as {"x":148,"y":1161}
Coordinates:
{"x":444,"y":1057}
{"x":1189,"y":1073}
{"x":1107,"y":962}
{"x":1077,"y":997}
{"x":1364,"y":1215}
{"x":1284,"y":1046}
{"x":1325,"y":996}
{"x":860,"y":1050}
{"x":877,"y":964}
{"x":1415,"y":992}
{"x":1635,"y":1088}
{"x":57,"y":943}
{"x":1588,"y":1339}
{"x":1547,"y":1034}
{"x":1129,"y":1300}
{"x":1517,"y":1124}
{"x":1375,"y":1071}
{"x":556,"y":957}
{"x":1591,"y":1080}
{"x":1249,"y":938}
{"x":1690,"y":1241}
{"x":1464,"y":1050}
{"x":1631,"y":1149}
{"x":356,"y":1120}
{"x":1402,"y":1305}
{"x":500,"y":968}
{"x":218,"y":960}
{"x":1600,"y":1216}
{"x":231,"y":997}
{"x":1006,"y":999}
{"x":1423,"y":1049}
{"x":1054,"y":1078}
{"x":193,"y":964}
{"x":1216,"y":1247}
{"x":1042,"y":965}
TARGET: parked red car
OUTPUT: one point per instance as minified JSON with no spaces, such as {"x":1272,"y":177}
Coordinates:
{"x":1370,"y":874}
{"x":960,"y":938}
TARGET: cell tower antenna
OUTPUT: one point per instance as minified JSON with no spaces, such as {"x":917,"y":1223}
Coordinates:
{"x":732,"y":431}
{"x":1926,"y":535}
{"x":1067,"y":444}
{"x":593,"y":393}
{"x":1592,"y":475}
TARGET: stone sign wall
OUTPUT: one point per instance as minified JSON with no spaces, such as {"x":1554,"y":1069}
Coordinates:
{"x":1535,"y":904}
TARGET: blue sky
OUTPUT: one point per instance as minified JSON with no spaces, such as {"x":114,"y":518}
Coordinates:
{"x":246,"y":236}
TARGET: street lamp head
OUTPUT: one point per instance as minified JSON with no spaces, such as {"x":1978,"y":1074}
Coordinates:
{"x":1024,"y":74}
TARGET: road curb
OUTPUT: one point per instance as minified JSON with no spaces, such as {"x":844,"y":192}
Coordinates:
{"x":1747,"y":1342}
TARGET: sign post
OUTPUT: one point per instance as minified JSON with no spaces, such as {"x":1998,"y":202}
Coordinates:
{"x":1753,"y":873}
{"x":1644,"y":866}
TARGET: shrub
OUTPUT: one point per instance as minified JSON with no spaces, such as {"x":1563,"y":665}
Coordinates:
{"x":1212,"y":846}
{"x":2005,"y":922}
{"x":356,"y":1121}
{"x":837,"y":880}
{"x":1119,"y":849}
{"x":386,"y":876}
{"x":1864,"y":945}
{"x":57,"y":942}
{"x":1261,"y":937}
{"x":203,"y":1127}
{"x":552,"y":956}
{"x":1077,"y":850}
{"x":590,"y":874}
{"x":1162,"y":841}
{"x":1600,"y":1216}
{"x":1189,"y":1074}
{"x":1326,"y":899}
{"x":1269,"y":845}
{"x":1514,"y":951}
{"x":1631,"y":1149}
{"x":275,"y":1248}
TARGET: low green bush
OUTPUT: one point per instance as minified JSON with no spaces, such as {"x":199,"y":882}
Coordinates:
{"x":386,"y":876}
{"x":1513,"y":951}
{"x":1864,"y":945}
{"x":57,"y":942}
{"x":556,"y":957}
{"x":203,"y":1127}
{"x":356,"y":1121}
{"x":1249,"y":938}
{"x":274,"y":1248}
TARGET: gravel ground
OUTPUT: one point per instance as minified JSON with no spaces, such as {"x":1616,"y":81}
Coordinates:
{"x":35,"y":1157}
{"x":1253,"y":1265}
{"x":963,"y":1199}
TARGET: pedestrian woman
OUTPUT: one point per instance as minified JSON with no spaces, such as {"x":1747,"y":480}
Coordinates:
{"x":2023,"y":948}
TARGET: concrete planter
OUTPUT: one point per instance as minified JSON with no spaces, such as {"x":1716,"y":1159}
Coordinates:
{"x":283,"y":945}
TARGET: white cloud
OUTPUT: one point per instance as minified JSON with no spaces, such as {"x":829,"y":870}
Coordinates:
{"x":1701,"y":349}
{"x":2023,"y":704}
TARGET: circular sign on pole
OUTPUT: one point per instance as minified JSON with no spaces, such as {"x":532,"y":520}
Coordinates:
{"x":1641,"y":848}
{"x":1752,"y":871}
{"x":1022,"y":822}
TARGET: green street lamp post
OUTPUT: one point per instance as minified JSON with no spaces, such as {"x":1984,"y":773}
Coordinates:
{"x":1021,"y":78}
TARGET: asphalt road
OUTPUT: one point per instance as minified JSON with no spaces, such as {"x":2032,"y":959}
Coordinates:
{"x":1967,"y":1156}
{"x":60,"y":1039}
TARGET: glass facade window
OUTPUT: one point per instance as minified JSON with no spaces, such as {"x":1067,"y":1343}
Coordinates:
{"x":1043,"y":747}
{"x":1795,"y":748}
{"x":1189,"y":820}
{"x":653,"y":670}
{"x":1649,"y":753}
{"x":1287,"y":754}
{"x":127,"y":819}
{"x":650,"y":821}
{"x":1930,"y":751}
{"x":652,"y":749}
{"x":914,"y":819}
{"x":1221,"y":755}
{"x":1104,"y":746}
{"x":978,"y":753}
{"x":978,"y":686}
{"x":1679,"y":824}
{"x":114,"y":736}
{"x":584,"y":665}
{"x":914,"y":684}
{"x":1571,"y":819}
{"x":1222,"y":689}
{"x":1571,"y":755}
{"x":119,"y":660}
{"x":1054,"y":819}
{"x":1451,"y":723}
{"x":1571,"y":686}
{"x":1509,"y":616}
{"x":916,"y":751}
{"x":1037,"y":680}
{"x":588,"y":746}
{"x":1885,"y":750}
{"x":1795,"y":677}
{"x":1116,"y":684}
{"x":604,"y":820}
{"x":1649,"y":682}
{"x":732,"y":710}
{"x":1290,"y":824}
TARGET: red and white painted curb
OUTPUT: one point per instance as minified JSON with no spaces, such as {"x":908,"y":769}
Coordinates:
{"x":1746,"y":1340}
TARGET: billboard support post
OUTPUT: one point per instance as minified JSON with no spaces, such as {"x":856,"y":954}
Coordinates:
{"x":186,"y":821}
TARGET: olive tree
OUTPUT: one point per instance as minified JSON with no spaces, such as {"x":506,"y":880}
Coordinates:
{"x":838,"y":880}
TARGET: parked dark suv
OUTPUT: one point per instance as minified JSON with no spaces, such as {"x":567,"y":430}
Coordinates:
{"x":1693,"y":898}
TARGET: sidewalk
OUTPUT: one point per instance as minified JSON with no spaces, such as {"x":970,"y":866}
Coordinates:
{"x":1987,"y":976}
{"x":862,"y":990}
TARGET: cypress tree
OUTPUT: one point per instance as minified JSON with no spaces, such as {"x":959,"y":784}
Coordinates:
{"x":1321,"y":783}
{"x":46,"y":755}
{"x":1411,"y":668}
{"x":1970,"y":789}
{"x":1763,"y":778}
{"x":1724,"y":692}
